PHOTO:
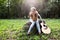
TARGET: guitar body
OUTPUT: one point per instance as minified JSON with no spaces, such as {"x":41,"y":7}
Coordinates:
{"x":45,"y":29}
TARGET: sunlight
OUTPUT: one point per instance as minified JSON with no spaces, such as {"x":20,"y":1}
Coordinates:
{"x":31,"y":2}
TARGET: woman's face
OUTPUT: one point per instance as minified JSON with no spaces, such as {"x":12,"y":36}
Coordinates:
{"x":33,"y":10}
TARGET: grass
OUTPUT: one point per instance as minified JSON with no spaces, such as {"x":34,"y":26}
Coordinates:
{"x":11,"y":29}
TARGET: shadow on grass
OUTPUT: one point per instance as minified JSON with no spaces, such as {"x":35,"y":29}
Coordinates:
{"x":54,"y":35}
{"x":22,"y":35}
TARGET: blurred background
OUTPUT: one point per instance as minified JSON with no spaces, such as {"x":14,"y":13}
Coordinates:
{"x":12,"y":9}
{"x":14,"y":16}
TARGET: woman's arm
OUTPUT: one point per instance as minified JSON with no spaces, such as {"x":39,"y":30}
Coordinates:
{"x":29,"y":15}
{"x":38,"y":15}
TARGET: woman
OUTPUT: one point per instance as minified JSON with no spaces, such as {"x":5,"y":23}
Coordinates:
{"x":33,"y":14}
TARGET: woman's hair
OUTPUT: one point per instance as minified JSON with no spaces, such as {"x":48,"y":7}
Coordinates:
{"x":33,"y":8}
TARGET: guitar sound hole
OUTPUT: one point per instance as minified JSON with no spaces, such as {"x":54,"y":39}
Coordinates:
{"x":44,"y":25}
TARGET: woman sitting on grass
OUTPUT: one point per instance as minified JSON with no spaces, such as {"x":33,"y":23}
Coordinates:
{"x":33,"y":14}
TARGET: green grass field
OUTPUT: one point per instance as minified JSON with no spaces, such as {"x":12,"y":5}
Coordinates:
{"x":11,"y":29}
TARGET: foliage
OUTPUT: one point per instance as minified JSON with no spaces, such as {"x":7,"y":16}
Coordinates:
{"x":19,"y":9}
{"x":11,"y":29}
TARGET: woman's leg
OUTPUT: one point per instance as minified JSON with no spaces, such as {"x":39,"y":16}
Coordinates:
{"x":31,"y":26}
{"x":38,"y":26}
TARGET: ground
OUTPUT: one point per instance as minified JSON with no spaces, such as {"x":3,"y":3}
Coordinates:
{"x":11,"y":29}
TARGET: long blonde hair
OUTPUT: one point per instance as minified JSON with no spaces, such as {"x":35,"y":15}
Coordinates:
{"x":33,"y":8}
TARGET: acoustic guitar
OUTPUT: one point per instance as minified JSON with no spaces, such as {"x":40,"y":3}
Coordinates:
{"x":45,"y":29}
